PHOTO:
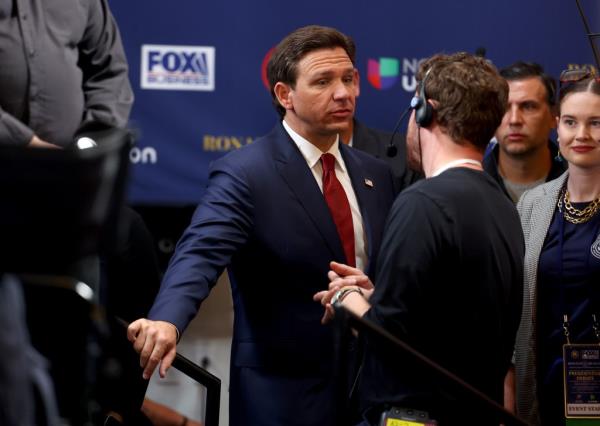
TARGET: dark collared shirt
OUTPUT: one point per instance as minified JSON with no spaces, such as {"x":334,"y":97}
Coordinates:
{"x":490,"y":164}
{"x":63,"y":68}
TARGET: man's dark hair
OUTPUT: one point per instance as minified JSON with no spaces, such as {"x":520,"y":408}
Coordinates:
{"x":468,"y":94}
{"x":283,"y":65}
{"x":521,"y":70}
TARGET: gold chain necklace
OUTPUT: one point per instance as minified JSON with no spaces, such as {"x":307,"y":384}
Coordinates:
{"x":574,"y":215}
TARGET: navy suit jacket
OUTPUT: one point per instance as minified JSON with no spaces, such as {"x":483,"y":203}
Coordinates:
{"x":264,"y":217}
{"x":376,"y":143}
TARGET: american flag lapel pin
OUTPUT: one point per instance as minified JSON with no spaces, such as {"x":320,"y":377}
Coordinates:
{"x":369,"y":183}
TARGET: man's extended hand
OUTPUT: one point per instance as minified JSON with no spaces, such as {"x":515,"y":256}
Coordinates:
{"x":36,"y":142}
{"x":340,"y":276}
{"x":155,"y":341}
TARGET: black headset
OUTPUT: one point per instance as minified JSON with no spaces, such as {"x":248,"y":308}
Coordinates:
{"x":423,"y":109}
{"x":423,"y":114}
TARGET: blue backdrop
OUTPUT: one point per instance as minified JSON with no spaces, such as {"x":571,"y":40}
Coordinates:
{"x":196,"y":66}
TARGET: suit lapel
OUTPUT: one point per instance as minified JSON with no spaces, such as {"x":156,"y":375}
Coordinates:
{"x":362,"y":190}
{"x":542,"y":213}
{"x":292,"y":167}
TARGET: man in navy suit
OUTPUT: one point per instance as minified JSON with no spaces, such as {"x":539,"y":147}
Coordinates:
{"x":266,"y":216}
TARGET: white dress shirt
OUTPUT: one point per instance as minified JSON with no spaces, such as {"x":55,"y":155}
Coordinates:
{"x":312,"y":155}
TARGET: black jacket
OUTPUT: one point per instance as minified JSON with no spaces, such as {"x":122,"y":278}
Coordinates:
{"x":490,"y":164}
{"x":376,"y":142}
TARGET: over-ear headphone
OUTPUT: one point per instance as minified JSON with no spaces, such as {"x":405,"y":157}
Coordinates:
{"x":423,"y":109}
{"x":423,"y":114}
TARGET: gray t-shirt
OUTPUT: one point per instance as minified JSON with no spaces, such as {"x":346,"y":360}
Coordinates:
{"x":515,"y":190}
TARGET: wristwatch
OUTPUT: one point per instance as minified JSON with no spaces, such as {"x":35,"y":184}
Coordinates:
{"x":85,"y":143}
{"x":341,"y":293}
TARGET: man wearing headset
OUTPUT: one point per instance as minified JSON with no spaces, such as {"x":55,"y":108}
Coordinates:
{"x":451,"y":264}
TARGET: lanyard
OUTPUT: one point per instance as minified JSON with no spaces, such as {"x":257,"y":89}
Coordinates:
{"x":561,"y":239}
{"x":456,"y":163}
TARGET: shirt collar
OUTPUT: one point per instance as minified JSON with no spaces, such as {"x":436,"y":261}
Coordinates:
{"x":311,"y":153}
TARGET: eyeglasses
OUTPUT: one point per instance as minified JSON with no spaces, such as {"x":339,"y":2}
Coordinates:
{"x":577,"y":74}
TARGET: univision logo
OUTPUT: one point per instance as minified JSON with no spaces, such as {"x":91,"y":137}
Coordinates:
{"x":383,"y":73}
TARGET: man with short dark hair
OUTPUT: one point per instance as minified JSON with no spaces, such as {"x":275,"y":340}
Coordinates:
{"x":522,"y":155}
{"x":275,"y":213}
{"x":449,"y":276}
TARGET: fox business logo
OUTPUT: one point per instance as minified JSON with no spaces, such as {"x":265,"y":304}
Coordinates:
{"x":178,"y":67}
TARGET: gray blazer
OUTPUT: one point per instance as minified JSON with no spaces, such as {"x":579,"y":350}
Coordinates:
{"x":536,"y":209}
